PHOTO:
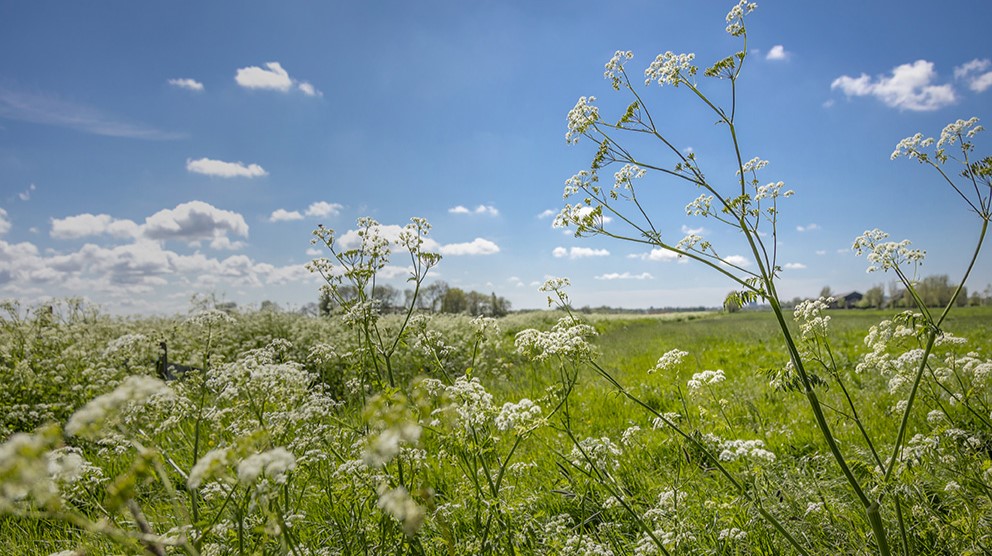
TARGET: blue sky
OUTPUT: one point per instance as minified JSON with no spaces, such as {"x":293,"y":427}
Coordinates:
{"x":153,"y":150}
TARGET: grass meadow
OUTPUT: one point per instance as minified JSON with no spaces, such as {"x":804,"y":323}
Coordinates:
{"x":277,"y":445}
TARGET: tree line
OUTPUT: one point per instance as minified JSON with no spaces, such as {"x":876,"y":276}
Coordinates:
{"x":437,"y":297}
{"x":934,"y":291}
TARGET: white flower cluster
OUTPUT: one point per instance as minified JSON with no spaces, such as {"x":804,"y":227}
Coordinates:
{"x":275,"y":464}
{"x":772,"y":191}
{"x":567,"y":340}
{"x":521,"y":416}
{"x":24,"y":470}
{"x":700,"y":206}
{"x":732,"y":534}
{"x":596,"y":453}
{"x":731,"y":450}
{"x":398,"y":503}
{"x":670,"y":360}
{"x":580,"y":118}
{"x":472,"y":404}
{"x":98,"y":417}
{"x":735,"y":17}
{"x":623,"y":179}
{"x":884,"y":255}
{"x":671,"y":69}
{"x":209,"y":319}
{"x":953,"y":132}
{"x":706,"y":377}
{"x":812,"y":323}
{"x":386,"y":445}
{"x":614,"y":68}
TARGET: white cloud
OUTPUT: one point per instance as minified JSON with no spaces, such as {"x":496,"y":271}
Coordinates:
{"x":391,"y":232}
{"x":194,"y":221}
{"x":975,"y":73}
{"x":659,"y":255}
{"x":777,"y":53}
{"x":274,"y":78}
{"x":481,"y":209}
{"x":693,"y":231}
{"x":548,"y":213}
{"x":49,"y":109}
{"x":306,"y":88}
{"x":737,"y":260}
{"x":478,"y":246}
{"x":314,"y":252}
{"x":283,"y":215}
{"x":219,"y":168}
{"x":821,"y":252}
{"x":579,"y":252}
{"x":26,"y":194}
{"x":625,"y":276}
{"x":85,"y":225}
{"x":794,"y":266}
{"x":254,"y":77}
{"x":4,"y":222}
{"x":808,"y":228}
{"x":908,"y":87}
{"x":187,"y":83}
{"x":323,"y":208}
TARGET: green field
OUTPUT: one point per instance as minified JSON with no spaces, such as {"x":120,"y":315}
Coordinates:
{"x":311,"y":452}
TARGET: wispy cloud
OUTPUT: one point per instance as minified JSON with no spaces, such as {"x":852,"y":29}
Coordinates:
{"x":219,"y":168}
{"x":50,"y":109}
{"x":794,"y":266}
{"x":4,"y":222}
{"x":737,"y":260}
{"x":976,"y":74}
{"x":625,"y":276}
{"x":26,"y":194}
{"x":187,"y":83}
{"x":547,"y":213}
{"x":808,"y":228}
{"x":907,"y":87}
{"x":274,"y":78}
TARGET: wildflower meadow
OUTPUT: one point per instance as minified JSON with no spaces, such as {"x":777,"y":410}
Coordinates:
{"x":786,"y":431}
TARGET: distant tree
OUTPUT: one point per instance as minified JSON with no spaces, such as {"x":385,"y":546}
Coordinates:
{"x":874,"y":297}
{"x":389,"y":298}
{"x":431,"y":296}
{"x":270,"y":307}
{"x":826,"y":292}
{"x":454,"y":301}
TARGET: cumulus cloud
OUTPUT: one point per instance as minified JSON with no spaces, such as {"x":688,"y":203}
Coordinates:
{"x":794,"y":266}
{"x":87,"y":225}
{"x":274,"y":78}
{"x":625,"y":276}
{"x":693,"y":231}
{"x":194,"y":221}
{"x":481,"y":209}
{"x":283,"y":215}
{"x":478,"y":246}
{"x":187,"y":83}
{"x":579,"y":252}
{"x":976,"y":74}
{"x":4,"y":222}
{"x":908,"y":87}
{"x":808,"y":228}
{"x":547,"y":213}
{"x":659,"y":255}
{"x":736,"y":260}
{"x":219,"y":168}
{"x":323,"y":208}
{"x":777,"y":53}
